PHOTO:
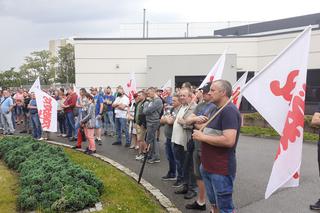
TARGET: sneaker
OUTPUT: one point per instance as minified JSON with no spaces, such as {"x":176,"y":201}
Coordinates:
{"x":169,"y":177}
{"x":152,"y":161}
{"x":132,"y":147}
{"x":315,"y":206}
{"x":76,"y":147}
{"x":191,"y":194}
{"x":139,"y":157}
{"x":127,"y":145}
{"x":64,"y":135}
{"x":99,"y":142}
{"x":177,"y":184}
{"x":195,"y":205}
{"x":182,"y":190}
{"x":116,"y":143}
{"x":41,"y":139}
{"x":72,"y":139}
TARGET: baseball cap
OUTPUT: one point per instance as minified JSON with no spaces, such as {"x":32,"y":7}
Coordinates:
{"x":206,"y":88}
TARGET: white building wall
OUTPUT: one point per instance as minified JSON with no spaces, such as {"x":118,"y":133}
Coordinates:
{"x":109,"y":62}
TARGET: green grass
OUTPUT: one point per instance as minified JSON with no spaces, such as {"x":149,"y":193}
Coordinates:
{"x":269,"y":132}
{"x":122,"y":193}
{"x":9,"y":188}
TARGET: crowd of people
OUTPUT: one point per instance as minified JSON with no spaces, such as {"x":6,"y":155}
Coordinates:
{"x":200,"y":153}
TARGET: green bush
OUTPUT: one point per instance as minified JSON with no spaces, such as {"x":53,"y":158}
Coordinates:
{"x":49,"y":180}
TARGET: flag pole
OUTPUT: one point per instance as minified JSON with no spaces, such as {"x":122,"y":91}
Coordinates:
{"x":220,"y":109}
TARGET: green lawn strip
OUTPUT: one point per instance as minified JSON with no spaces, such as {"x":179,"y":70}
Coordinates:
{"x":269,"y":132}
{"x":9,"y":189}
{"x":122,"y":193}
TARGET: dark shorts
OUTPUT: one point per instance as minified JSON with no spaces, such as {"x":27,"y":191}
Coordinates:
{"x":196,"y":160}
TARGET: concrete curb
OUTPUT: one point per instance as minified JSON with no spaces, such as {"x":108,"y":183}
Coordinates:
{"x":164,"y":201}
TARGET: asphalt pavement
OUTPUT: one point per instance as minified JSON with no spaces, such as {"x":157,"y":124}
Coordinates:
{"x":255,"y":158}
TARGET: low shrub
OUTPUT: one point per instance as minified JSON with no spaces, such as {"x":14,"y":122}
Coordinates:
{"x":269,"y":132}
{"x":49,"y":180}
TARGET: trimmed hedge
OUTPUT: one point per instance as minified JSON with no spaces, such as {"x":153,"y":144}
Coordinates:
{"x":49,"y":180}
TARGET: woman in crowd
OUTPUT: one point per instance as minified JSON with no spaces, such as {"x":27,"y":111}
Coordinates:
{"x":88,"y":123}
{"x":61,"y":114}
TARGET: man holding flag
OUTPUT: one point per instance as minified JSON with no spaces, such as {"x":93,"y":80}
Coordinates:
{"x":218,"y":145}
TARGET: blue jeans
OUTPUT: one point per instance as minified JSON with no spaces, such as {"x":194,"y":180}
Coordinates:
{"x":109,"y":121}
{"x":121,"y":124}
{"x":170,"y":157}
{"x":36,"y":125}
{"x":219,"y":190}
{"x":71,"y":124}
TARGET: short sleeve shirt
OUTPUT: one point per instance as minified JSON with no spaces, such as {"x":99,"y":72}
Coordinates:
{"x":33,"y":102}
{"x":121,"y":100}
{"x":222,"y":160}
{"x":110,"y":98}
{"x":6,"y":105}
{"x":98,"y":99}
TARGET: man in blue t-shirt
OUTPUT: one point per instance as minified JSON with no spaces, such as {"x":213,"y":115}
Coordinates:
{"x":108,"y":112}
{"x":218,"y":149}
{"x":316,"y":123}
{"x":34,"y":117}
{"x":6,"y":113}
{"x":98,"y":100}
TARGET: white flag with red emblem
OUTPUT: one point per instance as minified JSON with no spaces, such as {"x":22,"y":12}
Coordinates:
{"x":278,"y":94}
{"x":47,"y":110}
{"x":216,"y":71}
{"x":237,"y":87}
{"x":131,"y":86}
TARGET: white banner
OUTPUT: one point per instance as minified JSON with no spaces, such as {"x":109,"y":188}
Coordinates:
{"x":278,"y":93}
{"x":36,"y":85}
{"x":216,"y":71}
{"x":47,"y":110}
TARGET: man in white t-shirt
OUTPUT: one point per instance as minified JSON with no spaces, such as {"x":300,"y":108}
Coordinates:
{"x":120,"y":106}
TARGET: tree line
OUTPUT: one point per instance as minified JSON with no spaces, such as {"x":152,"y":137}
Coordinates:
{"x":51,"y":69}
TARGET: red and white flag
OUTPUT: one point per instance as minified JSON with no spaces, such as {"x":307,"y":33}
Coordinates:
{"x":131,"y":87}
{"x":165,"y":87}
{"x":278,"y":94}
{"x":237,"y":87}
{"x":216,"y":71}
{"x":47,"y":110}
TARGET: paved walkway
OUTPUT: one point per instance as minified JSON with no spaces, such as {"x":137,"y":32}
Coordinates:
{"x":255,"y":158}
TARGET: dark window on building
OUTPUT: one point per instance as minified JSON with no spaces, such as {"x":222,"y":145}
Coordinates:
{"x":313,"y":86}
{"x":195,"y":80}
{"x":245,"y":105}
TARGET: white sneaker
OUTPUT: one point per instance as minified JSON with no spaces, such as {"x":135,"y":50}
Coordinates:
{"x":139,"y":157}
{"x":41,"y":139}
